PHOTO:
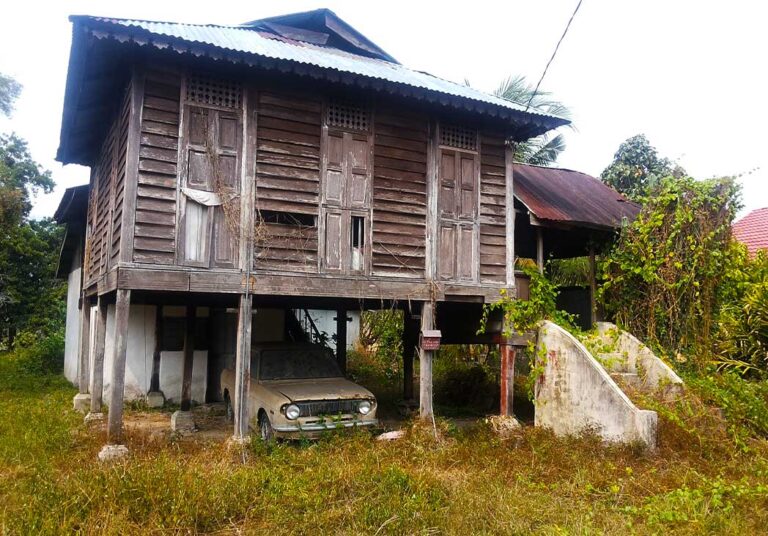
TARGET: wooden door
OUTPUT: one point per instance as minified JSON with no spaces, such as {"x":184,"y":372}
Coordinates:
{"x":346,"y":201}
{"x":458,"y":211}
{"x":210,"y":188}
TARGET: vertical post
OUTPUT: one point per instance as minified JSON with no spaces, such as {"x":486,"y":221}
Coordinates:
{"x":341,"y":339}
{"x":540,"y":249}
{"x":97,"y":378}
{"x":410,"y":342}
{"x":82,"y":400}
{"x":592,"y":286}
{"x":115,"y":423}
{"x":155,"y":398}
{"x":507,"y":376}
{"x":189,"y":357}
{"x":243,"y":367}
{"x":509,"y":214}
{"x":425,"y":364}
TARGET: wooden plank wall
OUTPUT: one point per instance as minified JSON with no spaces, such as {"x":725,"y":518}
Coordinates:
{"x":399,"y":193}
{"x":106,"y":198}
{"x":492,"y":202}
{"x":287,"y":180}
{"x":155,"y":231}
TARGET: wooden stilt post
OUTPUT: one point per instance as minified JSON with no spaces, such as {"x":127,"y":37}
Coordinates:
{"x":243,"y":368}
{"x":425,"y":364}
{"x":341,"y":339}
{"x":117,"y":388}
{"x":189,"y":356}
{"x":540,"y":249}
{"x":155,"y":398}
{"x":97,"y":377}
{"x":82,"y":401}
{"x":410,"y":343}
{"x":592,"y":286}
{"x":507,"y":377}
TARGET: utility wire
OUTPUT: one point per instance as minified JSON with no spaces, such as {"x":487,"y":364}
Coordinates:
{"x":557,"y":47}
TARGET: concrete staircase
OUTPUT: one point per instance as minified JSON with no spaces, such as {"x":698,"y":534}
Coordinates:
{"x":582,"y":390}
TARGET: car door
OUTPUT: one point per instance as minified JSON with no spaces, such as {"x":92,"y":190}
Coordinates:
{"x":257,"y":392}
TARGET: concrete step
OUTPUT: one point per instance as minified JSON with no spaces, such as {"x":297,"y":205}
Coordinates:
{"x":627,"y":378}
{"x":613,"y":361}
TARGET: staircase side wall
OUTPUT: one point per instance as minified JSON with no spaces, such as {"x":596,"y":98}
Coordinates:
{"x":654,"y":372}
{"x":575,"y":394}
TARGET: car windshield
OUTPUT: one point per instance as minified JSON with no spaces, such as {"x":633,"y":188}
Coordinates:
{"x":297,"y":365}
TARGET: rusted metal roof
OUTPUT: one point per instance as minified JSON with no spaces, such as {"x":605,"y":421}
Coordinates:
{"x":244,"y":39}
{"x":564,"y":196}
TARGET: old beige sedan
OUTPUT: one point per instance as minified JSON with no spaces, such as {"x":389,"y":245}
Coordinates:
{"x":297,"y":390}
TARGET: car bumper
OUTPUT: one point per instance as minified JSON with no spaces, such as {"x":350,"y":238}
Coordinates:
{"x":316,"y":428}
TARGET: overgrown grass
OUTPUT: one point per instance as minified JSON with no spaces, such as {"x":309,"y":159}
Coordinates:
{"x":467,"y":482}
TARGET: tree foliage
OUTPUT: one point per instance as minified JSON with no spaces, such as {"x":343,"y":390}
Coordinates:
{"x":20,"y":179}
{"x":637,"y":168}
{"x":672,"y":269}
{"x":10,"y":90}
{"x":542,"y":150}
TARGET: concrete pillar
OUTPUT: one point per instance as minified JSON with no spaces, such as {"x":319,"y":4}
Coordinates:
{"x":82,"y":401}
{"x":540,"y":249}
{"x":425,"y":364}
{"x":243,"y":368}
{"x":97,"y":378}
{"x":115,"y":422}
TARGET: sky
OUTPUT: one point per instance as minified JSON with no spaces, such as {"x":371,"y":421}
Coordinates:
{"x":690,"y":75}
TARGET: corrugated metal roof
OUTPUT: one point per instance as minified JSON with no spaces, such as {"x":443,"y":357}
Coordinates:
{"x":571,"y":197}
{"x":249,"y":41}
{"x":752,"y":230}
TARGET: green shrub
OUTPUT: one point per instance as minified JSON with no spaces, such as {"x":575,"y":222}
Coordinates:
{"x":45,"y":356}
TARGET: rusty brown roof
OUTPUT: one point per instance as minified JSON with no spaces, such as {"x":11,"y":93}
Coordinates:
{"x":565,"y":196}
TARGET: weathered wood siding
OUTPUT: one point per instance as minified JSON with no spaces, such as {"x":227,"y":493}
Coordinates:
{"x":105,"y":206}
{"x":492,"y":203}
{"x":287,"y":182}
{"x":399,"y":193}
{"x":155,"y":230}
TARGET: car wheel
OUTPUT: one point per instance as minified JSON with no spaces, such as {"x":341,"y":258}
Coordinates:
{"x":229,"y":411}
{"x":265,"y":428}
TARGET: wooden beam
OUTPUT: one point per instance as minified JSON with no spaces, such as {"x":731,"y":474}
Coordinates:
{"x":115,"y":423}
{"x":97,"y":377}
{"x":154,"y":382}
{"x":433,"y":190}
{"x":85,"y":345}
{"x":341,"y":339}
{"x":509,"y":214}
{"x":507,"y":377}
{"x":189,"y":358}
{"x":410,"y":343}
{"x":243,"y":367}
{"x":592,"y":286}
{"x":540,"y":249}
{"x":425,"y":364}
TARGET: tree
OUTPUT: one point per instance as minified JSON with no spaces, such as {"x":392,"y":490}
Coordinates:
{"x":10,"y":90}
{"x":542,"y":150}
{"x":637,"y":168}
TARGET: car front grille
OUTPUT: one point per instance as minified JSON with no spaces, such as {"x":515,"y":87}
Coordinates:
{"x":312,"y":408}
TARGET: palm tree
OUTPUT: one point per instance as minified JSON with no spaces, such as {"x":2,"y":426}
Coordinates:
{"x":542,"y":150}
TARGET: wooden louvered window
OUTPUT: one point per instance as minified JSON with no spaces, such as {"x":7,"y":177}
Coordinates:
{"x":459,"y":172}
{"x":346,"y":188}
{"x":210,"y":181}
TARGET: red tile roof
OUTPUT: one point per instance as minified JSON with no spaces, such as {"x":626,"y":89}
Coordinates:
{"x":752,"y":230}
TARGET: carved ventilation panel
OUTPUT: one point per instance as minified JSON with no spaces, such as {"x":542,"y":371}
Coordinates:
{"x":458,"y":137}
{"x":213,"y":92}
{"x":349,"y":116}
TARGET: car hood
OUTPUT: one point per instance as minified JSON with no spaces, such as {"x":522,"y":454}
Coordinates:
{"x":317,"y":389}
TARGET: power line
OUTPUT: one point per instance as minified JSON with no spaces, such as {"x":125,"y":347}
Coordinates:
{"x":557,"y":47}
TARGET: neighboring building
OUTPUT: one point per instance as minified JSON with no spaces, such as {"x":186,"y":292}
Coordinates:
{"x":752,"y":230}
{"x":243,"y":174}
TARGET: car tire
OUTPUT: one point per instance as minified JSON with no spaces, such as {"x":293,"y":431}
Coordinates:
{"x":229,"y":411}
{"x":266,"y":432}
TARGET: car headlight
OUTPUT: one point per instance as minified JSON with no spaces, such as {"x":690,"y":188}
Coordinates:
{"x":364,"y":407}
{"x":292,"y":412}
